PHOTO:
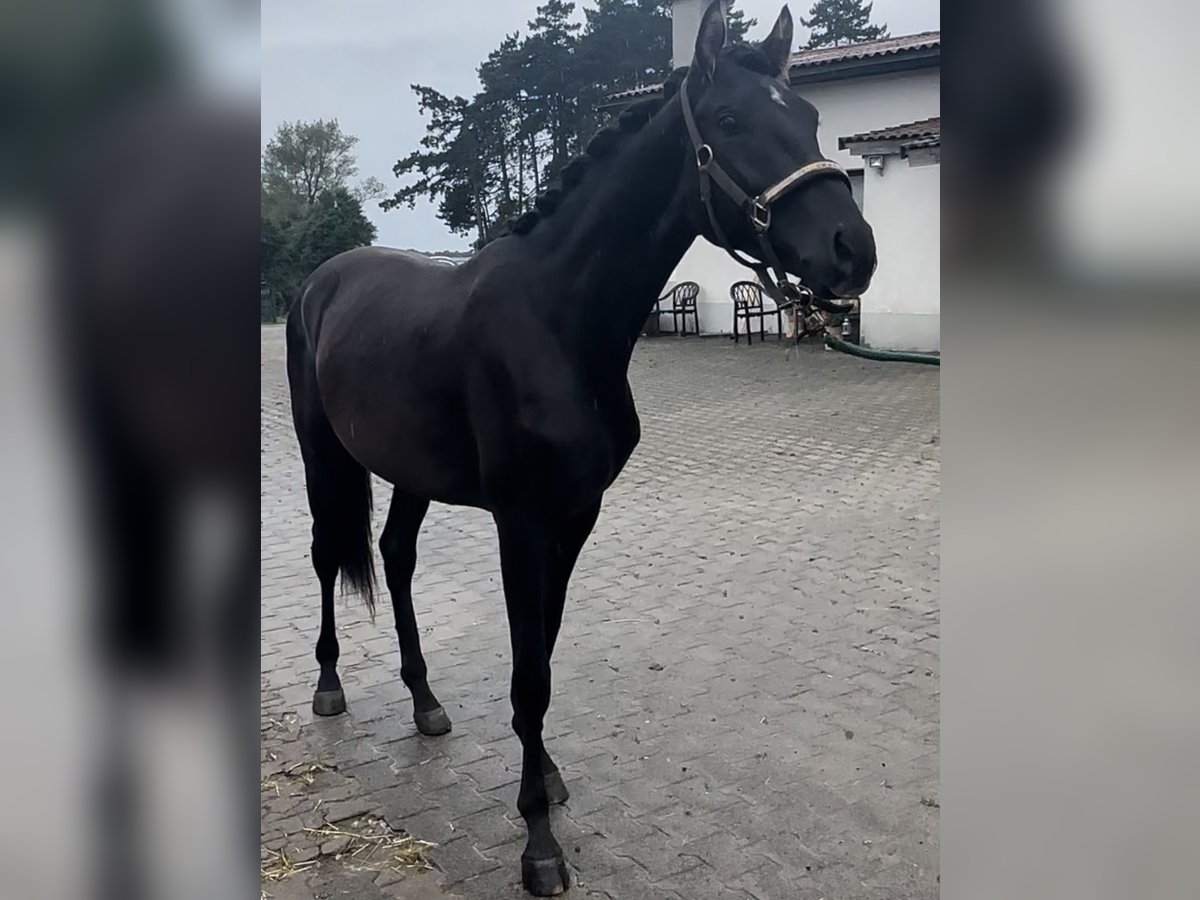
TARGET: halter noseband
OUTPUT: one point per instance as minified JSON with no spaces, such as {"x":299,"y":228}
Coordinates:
{"x":785,"y":293}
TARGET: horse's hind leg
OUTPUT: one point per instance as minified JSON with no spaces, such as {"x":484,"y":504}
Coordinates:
{"x":339,"y":496}
{"x":329,"y":699}
{"x":398,"y":544}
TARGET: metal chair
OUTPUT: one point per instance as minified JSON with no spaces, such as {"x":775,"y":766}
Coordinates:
{"x":683,"y":303}
{"x":748,"y":304}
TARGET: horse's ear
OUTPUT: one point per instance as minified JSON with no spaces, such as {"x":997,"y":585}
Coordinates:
{"x":710,"y":39}
{"x":778,"y":45}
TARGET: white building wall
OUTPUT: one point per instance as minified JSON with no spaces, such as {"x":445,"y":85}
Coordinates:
{"x":901,"y":309}
{"x":711,"y":268}
{"x":846,"y":107}
{"x":866,"y":104}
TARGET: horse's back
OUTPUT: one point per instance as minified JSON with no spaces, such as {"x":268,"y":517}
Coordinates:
{"x":379,"y":286}
{"x":383,"y":333}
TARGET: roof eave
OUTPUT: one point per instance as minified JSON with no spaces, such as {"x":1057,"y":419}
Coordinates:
{"x":917,"y":152}
{"x":872,"y":148}
{"x":842,"y":70}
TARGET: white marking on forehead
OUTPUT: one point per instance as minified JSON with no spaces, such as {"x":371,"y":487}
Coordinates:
{"x":776,"y":96}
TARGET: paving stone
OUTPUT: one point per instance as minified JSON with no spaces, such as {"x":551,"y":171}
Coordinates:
{"x":487,"y":830}
{"x":460,"y":861}
{"x":762,"y":579}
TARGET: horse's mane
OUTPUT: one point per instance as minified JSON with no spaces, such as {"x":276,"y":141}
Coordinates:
{"x":631,"y":120}
{"x":602,"y":145}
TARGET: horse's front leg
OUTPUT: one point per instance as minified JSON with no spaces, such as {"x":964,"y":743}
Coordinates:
{"x":569,"y":539}
{"x":525,"y":554}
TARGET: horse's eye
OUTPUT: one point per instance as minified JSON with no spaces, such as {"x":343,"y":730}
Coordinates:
{"x":728,"y":124}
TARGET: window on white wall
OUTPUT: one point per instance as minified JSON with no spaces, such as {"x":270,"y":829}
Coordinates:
{"x":856,"y":186}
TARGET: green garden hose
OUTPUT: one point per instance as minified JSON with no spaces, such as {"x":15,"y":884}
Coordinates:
{"x":837,"y":343}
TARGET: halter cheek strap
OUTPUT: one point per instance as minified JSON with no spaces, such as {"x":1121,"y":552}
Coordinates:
{"x":785,"y":293}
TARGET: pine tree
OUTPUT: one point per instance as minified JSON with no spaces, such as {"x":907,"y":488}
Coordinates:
{"x":484,"y":159}
{"x":551,"y":89}
{"x":835,"y":22}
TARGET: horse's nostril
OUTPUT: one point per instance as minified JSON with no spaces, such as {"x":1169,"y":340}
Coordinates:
{"x":854,"y":255}
{"x":843,"y":246}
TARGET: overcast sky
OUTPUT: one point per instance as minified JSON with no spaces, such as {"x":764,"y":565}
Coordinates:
{"x":354,"y":60}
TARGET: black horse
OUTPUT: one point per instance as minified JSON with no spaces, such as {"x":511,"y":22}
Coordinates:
{"x":501,"y":383}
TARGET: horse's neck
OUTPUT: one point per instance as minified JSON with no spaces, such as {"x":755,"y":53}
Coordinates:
{"x":621,"y":233}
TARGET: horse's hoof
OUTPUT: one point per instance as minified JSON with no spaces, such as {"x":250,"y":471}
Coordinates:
{"x":329,"y":703}
{"x":556,"y":790}
{"x":545,"y":877}
{"x":431,"y":722}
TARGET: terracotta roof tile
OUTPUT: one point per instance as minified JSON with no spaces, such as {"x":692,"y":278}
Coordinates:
{"x":922,"y":130}
{"x":812,"y":59}
{"x":869,"y":49}
{"x":923,"y":144}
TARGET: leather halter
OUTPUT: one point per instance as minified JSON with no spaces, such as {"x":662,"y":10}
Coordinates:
{"x":785,"y":293}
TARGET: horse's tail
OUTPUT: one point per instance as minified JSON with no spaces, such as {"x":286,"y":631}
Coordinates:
{"x":339,"y":488}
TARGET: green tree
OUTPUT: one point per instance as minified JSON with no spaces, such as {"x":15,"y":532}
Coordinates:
{"x":309,"y":211}
{"x":836,"y":22}
{"x":333,"y":224}
{"x":501,"y":131}
{"x":552,"y":83}
{"x":370,"y":188}
{"x":275,"y":267}
{"x":451,"y":166}
{"x":484,"y":160}
{"x":625,"y":43}
{"x":737,"y":23}
{"x":304,"y":159}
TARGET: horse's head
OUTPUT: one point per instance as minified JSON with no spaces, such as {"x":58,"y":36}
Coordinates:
{"x":752,"y":131}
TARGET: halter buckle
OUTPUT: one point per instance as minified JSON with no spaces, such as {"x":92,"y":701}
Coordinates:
{"x":704,"y":156}
{"x":813,"y":321}
{"x":760,"y":215}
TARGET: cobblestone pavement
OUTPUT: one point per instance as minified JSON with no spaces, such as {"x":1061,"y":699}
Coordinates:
{"x":746,"y":685}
